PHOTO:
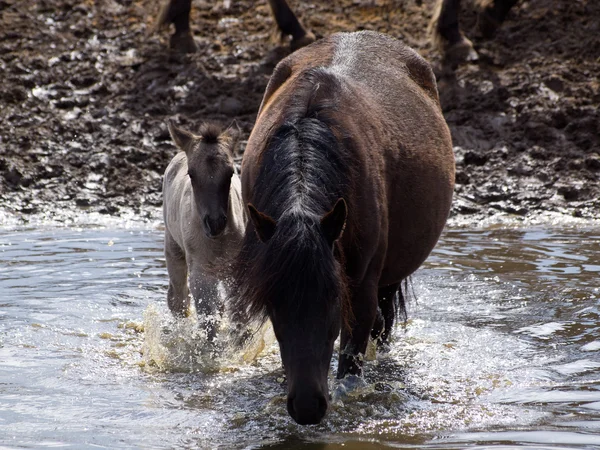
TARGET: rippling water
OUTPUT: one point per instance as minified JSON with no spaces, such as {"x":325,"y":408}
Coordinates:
{"x":502,"y":349}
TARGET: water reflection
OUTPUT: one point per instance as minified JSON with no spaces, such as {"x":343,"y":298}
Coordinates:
{"x":501,"y":349}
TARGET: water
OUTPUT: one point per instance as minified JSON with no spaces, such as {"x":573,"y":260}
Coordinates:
{"x":502,"y":350}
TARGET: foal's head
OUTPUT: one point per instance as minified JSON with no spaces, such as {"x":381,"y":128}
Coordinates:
{"x":210,"y":168}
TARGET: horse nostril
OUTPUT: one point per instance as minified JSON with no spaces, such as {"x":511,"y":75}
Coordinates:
{"x":307,"y":410}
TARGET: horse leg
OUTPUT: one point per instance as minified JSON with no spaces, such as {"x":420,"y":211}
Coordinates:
{"x":386,"y":313}
{"x":446,"y":35}
{"x":206,"y":298}
{"x":353,"y":343}
{"x":177,"y":12}
{"x":289,"y":25}
{"x":178,"y":293}
{"x":492,"y":16}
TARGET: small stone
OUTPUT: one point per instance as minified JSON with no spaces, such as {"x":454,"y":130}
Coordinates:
{"x":472,"y":158}
{"x":461,"y":178}
{"x":593,"y":163}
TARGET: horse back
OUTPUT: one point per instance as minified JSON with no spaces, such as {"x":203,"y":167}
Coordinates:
{"x":382,"y":97}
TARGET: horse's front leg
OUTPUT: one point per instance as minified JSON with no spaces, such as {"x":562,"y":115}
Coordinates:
{"x":353,"y":343}
{"x":289,"y":24}
{"x":207,"y":300}
{"x":178,"y":293}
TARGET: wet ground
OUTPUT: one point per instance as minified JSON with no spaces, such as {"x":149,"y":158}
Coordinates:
{"x":86,"y":91}
{"x":501,"y":350}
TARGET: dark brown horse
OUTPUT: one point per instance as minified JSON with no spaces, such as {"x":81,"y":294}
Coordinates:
{"x":444,"y":27}
{"x":177,"y":12}
{"x":348,"y":176}
{"x":445,"y":31}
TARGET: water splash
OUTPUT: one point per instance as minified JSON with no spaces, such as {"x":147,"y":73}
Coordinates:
{"x":182,"y":345}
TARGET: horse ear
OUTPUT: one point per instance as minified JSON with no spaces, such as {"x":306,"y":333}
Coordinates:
{"x":235,"y":133}
{"x":334,"y":221}
{"x":264,"y":225}
{"x":181,"y":137}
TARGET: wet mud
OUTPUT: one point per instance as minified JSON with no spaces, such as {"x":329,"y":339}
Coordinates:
{"x":86,"y":91}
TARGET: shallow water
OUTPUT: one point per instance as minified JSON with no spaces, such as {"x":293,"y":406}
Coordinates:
{"x":502,"y":350}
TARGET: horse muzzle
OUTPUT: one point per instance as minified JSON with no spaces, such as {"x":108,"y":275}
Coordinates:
{"x":213,"y":227}
{"x":307,"y":408}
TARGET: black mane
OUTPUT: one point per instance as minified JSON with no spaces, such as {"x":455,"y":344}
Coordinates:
{"x":305,"y":169}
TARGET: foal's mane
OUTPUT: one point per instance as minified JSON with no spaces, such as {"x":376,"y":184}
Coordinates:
{"x":305,"y":168}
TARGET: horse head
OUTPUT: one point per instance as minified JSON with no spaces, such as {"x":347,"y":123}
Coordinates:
{"x":304,"y":301}
{"x":210,"y":168}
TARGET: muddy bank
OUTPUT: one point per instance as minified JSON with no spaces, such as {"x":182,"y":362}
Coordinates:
{"x":86,"y":92}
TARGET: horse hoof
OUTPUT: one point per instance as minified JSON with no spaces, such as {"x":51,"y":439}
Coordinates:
{"x":305,"y":40}
{"x":460,"y":52}
{"x":183,"y":43}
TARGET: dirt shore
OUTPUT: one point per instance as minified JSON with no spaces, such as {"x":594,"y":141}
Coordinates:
{"x":86,"y":92}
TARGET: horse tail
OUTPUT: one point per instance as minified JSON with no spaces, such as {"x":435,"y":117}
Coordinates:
{"x":404,"y":294}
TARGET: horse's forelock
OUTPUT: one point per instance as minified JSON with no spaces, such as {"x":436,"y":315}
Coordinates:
{"x":211,"y":132}
{"x":296,"y":264}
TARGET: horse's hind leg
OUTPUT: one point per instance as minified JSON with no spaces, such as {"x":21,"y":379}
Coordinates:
{"x":388,"y":303}
{"x":446,"y":35}
{"x":177,"y":12}
{"x":289,"y":25}
{"x":178,"y":293}
{"x":492,"y":16}
{"x":353,"y":343}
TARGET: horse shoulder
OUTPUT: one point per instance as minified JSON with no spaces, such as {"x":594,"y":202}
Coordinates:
{"x":177,"y":201}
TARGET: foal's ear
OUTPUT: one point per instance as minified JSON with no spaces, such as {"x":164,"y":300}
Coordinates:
{"x":181,"y":137}
{"x":264,"y":225}
{"x":334,"y":221}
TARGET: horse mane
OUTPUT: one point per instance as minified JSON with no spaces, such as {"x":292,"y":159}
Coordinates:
{"x":305,"y":169}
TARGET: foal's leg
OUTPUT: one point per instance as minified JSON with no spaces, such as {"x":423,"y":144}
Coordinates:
{"x":493,"y":15}
{"x":386,"y":313}
{"x":206,"y":297}
{"x":177,"y":12}
{"x":446,"y":35}
{"x":353,"y":344}
{"x":289,"y":25}
{"x":178,"y":293}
